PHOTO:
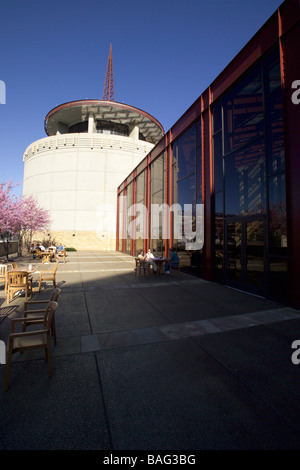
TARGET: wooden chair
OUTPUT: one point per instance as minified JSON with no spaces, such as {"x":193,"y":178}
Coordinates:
{"x":175,"y":268}
{"x":27,"y":340}
{"x":38,"y":253}
{"x":3,"y":275}
{"x":137,"y":266}
{"x":61,"y":254}
{"x":46,"y":257}
{"x":141,"y":267}
{"x":32,"y":316}
{"x":48,"y":276}
{"x":18,"y":281}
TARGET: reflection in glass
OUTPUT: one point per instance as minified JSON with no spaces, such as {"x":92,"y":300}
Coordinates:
{"x":217,"y":117}
{"x":184,"y":151}
{"x":272,"y":71}
{"x":129,"y":218}
{"x":157,"y":171}
{"x":140,"y":188}
{"x":277,"y":215}
{"x":121,"y":221}
{"x":275,"y":133}
{"x":243,"y":111}
{"x":254,"y":259}
{"x":218,"y":161}
{"x":140,"y":199}
{"x":187,"y":195}
{"x":199,"y":162}
{"x":233,"y":247}
{"x":157,"y":197}
{"x":198,"y":133}
{"x":219,"y":235}
{"x":186,"y":190}
{"x":245,"y":180}
{"x":278,"y":277}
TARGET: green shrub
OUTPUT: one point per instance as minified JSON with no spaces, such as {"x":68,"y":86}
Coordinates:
{"x":70,"y":249}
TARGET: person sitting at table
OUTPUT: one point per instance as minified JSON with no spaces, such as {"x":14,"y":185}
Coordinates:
{"x":141,"y":257}
{"x":149,"y":258}
{"x":174,"y":261}
{"x":32,"y":250}
{"x":60,"y":247}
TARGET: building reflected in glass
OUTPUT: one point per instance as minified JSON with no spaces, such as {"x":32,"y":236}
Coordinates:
{"x":233,"y":151}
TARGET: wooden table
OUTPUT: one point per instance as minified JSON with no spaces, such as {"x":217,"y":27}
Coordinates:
{"x":23,"y":269}
{"x":47,"y":256}
{"x":160,"y":262}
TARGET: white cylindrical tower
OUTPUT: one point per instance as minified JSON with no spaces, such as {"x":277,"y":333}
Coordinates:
{"x":92,"y":145}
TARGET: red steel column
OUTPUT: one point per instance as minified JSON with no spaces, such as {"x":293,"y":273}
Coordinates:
{"x":148,"y":201}
{"x":117,"y":221}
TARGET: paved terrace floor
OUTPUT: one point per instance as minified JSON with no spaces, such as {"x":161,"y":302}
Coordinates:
{"x":153,"y":363}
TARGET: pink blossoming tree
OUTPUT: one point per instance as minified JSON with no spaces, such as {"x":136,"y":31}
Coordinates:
{"x":33,"y":219}
{"x":20,"y":216}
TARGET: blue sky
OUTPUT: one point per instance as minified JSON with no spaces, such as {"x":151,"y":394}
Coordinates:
{"x":165,"y":54}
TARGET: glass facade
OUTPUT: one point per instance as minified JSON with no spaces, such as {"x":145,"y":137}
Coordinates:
{"x":128,"y":217}
{"x":187,"y":189}
{"x":157,"y":185}
{"x":121,"y":225}
{"x":141,"y":222}
{"x":249,"y":182}
{"x":229,"y":157}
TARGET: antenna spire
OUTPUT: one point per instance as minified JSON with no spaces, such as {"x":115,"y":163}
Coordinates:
{"x":108,"y":92}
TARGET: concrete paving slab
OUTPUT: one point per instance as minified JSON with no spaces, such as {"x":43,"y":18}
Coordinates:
{"x":236,"y":301}
{"x":120,"y":310}
{"x":117,"y":339}
{"x":89,"y":343}
{"x":261,"y":359}
{"x":288,"y":328}
{"x":175,"y":307}
{"x":64,"y":413}
{"x":176,"y":396}
{"x":161,"y":362}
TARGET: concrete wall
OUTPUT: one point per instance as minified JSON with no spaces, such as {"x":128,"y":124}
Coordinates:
{"x":80,"y":240}
{"x":75,"y":177}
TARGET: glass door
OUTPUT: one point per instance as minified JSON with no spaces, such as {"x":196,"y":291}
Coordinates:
{"x":245,"y":253}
